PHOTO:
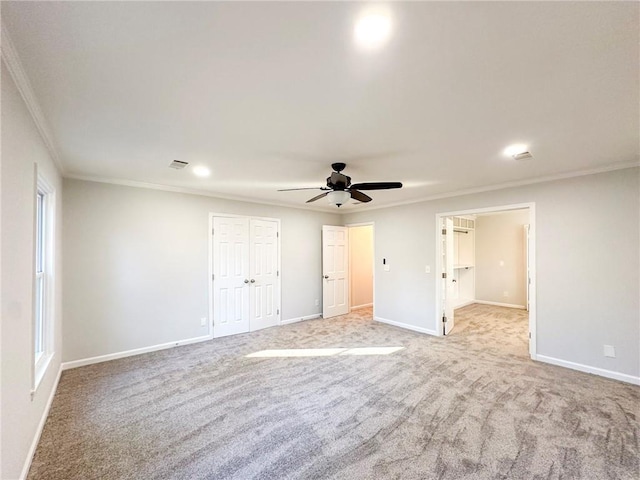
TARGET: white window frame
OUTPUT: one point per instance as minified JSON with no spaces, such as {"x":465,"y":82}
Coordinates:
{"x":43,"y":280}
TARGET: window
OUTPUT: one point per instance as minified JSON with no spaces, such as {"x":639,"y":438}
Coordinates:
{"x":43,"y":280}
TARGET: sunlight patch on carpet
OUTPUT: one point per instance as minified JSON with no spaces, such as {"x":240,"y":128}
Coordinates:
{"x":323,"y":352}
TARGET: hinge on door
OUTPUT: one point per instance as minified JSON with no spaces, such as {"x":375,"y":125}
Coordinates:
{"x":444,"y":231}
{"x":444,"y":274}
{"x":278,"y":312}
{"x":212,"y":231}
{"x":277,"y":273}
{"x":277,"y":234}
{"x":213,"y":277}
{"x":444,"y":319}
{"x":529,"y":334}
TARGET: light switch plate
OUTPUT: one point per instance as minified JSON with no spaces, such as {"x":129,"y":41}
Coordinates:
{"x":427,"y":269}
{"x":609,"y":351}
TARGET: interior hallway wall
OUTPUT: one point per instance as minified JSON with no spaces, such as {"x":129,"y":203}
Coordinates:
{"x":361,"y":265}
{"x":500,"y":257}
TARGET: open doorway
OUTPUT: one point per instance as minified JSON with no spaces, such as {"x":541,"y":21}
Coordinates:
{"x":487,"y":284}
{"x":361,"y":271}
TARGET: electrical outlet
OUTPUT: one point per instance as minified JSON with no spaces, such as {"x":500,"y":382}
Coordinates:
{"x":609,"y":351}
{"x":386,"y":268}
{"x":427,"y":269}
{"x":203,"y":322}
{"x":317,"y":302}
{"x":505,"y":294}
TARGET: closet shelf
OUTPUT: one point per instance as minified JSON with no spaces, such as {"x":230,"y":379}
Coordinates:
{"x":456,"y":267}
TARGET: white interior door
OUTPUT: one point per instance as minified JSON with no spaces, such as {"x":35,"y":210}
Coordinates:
{"x":335,"y":261}
{"x":448,"y":285}
{"x":264,"y":283}
{"x":230,"y":276}
{"x":526,"y":256}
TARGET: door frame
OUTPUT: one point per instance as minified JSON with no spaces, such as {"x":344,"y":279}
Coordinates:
{"x":210,"y":264}
{"x":373,"y":261}
{"x":532,"y":264}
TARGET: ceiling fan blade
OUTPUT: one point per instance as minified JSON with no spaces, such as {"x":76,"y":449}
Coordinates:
{"x":361,"y":197}
{"x":376,"y":185}
{"x":318,"y":197}
{"x":303,"y":188}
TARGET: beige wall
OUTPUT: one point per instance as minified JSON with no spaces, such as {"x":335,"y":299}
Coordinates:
{"x":500,"y":257}
{"x":588,"y":232}
{"x":136,"y":274}
{"x":361,"y":265}
{"x":22,"y":149}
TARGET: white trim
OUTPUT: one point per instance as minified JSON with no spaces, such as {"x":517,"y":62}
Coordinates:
{"x":623,"y":377}
{"x":348,"y":210}
{"x":130,"y":353}
{"x":14,"y":65}
{"x":532,"y":263}
{"x":465,"y":304}
{"x":192,"y":191}
{"x":406,"y":326}
{"x":300,"y":319}
{"x":502,"y":186}
{"x":40,"y":366}
{"x":43,"y":420}
{"x":498,"y":304}
{"x":358,"y":307}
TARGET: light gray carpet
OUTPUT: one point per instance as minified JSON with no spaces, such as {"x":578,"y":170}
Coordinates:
{"x":469,"y":406}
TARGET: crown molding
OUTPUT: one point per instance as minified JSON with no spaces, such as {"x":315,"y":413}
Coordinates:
{"x":194,"y":191}
{"x":350,"y":208}
{"x":14,"y":65}
{"x":502,"y":186}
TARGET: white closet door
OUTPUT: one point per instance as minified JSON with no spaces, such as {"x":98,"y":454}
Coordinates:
{"x":230,"y":276}
{"x":335,"y":261}
{"x":264,"y":309}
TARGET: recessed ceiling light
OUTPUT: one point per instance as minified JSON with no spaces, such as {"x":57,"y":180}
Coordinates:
{"x":516,"y":149}
{"x":373,"y":30}
{"x":201,"y":171}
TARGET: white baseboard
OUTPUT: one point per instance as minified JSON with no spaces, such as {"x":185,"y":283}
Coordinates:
{"x":43,"y":420}
{"x":498,"y":304}
{"x":358,"y":307}
{"x":405,"y":326}
{"x":130,"y":353}
{"x":464,"y":304}
{"x":623,"y":377}
{"x":300,"y":319}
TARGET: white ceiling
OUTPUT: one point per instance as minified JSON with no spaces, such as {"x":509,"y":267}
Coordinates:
{"x":268,"y":95}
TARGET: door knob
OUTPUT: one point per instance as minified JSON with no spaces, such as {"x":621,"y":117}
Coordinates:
{"x":253,"y":281}
{"x":246,"y":280}
{"x":326,"y":276}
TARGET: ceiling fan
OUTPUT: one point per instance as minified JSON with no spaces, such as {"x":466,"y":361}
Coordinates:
{"x":339,"y":188}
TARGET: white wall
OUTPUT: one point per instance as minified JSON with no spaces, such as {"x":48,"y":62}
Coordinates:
{"x":588,"y":264}
{"x":22,"y":148}
{"x":361,"y":265}
{"x":500,"y":239}
{"x":136,"y":271}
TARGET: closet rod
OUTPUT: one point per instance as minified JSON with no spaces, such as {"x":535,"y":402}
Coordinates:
{"x":460,"y":231}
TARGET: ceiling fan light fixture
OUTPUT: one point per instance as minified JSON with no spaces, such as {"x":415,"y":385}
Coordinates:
{"x":338,"y":197}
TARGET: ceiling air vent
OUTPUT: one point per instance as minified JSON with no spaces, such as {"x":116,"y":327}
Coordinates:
{"x":523,"y":156}
{"x":178,"y":164}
